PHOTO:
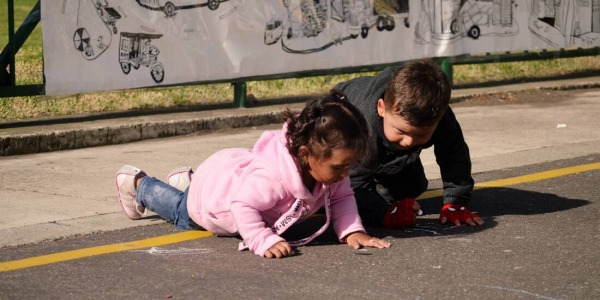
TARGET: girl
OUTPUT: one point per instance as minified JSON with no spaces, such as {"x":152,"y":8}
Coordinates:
{"x":258,"y":193}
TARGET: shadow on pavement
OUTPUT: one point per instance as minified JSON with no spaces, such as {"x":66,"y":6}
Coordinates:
{"x":489,"y":203}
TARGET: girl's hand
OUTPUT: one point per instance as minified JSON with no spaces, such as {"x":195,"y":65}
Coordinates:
{"x":279,"y":250}
{"x":358,"y":239}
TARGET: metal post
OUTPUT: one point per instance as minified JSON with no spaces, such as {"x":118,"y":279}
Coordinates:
{"x":11,"y":42}
{"x":239,"y":94}
{"x":446,"y":65}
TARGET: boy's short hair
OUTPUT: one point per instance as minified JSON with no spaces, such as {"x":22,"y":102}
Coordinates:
{"x":419,"y":93}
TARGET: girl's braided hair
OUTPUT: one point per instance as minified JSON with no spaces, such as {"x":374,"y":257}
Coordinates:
{"x":327,"y":123}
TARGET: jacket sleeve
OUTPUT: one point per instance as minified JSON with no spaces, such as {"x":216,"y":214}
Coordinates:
{"x":259,"y":192}
{"x":344,"y":213}
{"x":452,"y":155}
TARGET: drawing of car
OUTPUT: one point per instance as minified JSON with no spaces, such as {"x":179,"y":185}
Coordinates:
{"x":273,"y":31}
{"x":482,"y":17}
{"x":108,"y":14}
{"x":171,"y":7}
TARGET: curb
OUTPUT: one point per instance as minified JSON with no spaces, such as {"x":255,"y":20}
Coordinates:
{"x":112,"y":135}
{"x":56,"y":140}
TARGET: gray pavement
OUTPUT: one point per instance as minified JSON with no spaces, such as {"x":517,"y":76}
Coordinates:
{"x":53,"y":195}
{"x":539,"y":242}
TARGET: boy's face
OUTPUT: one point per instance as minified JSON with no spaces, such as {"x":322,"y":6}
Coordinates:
{"x":400,"y":133}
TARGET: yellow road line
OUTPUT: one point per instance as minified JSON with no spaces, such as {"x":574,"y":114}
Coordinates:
{"x":522,"y":179}
{"x":100,"y":250}
{"x":196,"y":234}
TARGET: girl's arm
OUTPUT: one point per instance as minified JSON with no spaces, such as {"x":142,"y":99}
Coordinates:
{"x":258,"y":192}
{"x":347,"y":223}
{"x":344,"y":212}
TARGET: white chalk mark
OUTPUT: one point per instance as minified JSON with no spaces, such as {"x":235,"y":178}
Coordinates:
{"x":430,"y":231}
{"x":514,"y":290}
{"x":427,"y":226}
{"x":461,"y":240}
{"x":179,"y":251}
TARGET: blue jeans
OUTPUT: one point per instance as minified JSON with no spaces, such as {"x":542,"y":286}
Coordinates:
{"x":166,"y":201}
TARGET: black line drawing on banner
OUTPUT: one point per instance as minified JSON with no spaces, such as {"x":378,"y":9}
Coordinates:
{"x":314,"y":25}
{"x":171,"y":7}
{"x":147,"y":29}
{"x":108,"y":14}
{"x":93,"y":37}
{"x":565,"y":23}
{"x":227,"y":14}
{"x":136,"y":49}
{"x":446,"y":21}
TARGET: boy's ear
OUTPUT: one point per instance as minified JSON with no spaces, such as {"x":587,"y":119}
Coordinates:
{"x":380,"y":107}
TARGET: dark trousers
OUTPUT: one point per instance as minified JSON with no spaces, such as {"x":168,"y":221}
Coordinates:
{"x":388,"y":189}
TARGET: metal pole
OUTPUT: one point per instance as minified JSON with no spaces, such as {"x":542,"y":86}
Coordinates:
{"x":11,"y":42}
{"x":446,"y":65}
{"x":239,"y":94}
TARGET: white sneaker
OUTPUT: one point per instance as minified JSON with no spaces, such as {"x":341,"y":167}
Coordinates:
{"x":180,"y":178}
{"x":125,"y":180}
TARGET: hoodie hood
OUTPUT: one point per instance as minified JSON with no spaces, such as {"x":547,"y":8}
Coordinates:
{"x":272,"y":144}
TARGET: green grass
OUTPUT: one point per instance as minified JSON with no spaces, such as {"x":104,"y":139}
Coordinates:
{"x":29,"y":70}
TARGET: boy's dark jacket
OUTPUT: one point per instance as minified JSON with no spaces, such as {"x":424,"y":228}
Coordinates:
{"x":451,"y":151}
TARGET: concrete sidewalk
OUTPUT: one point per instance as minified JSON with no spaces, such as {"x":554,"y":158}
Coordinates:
{"x":45,"y":135}
{"x":53,"y":195}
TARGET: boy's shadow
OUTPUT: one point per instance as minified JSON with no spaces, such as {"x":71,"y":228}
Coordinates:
{"x":489,"y":203}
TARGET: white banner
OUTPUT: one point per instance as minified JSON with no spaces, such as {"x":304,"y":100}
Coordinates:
{"x":98,"y":45}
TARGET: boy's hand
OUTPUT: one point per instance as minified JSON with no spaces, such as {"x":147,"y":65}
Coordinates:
{"x":279,"y":250}
{"x":458,"y":214}
{"x":401,"y":214}
{"x":359,"y":239}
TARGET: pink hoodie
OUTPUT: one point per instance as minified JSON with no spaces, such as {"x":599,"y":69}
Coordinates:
{"x":244,"y":191}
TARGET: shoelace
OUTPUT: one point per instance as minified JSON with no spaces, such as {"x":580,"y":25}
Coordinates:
{"x":291,"y":216}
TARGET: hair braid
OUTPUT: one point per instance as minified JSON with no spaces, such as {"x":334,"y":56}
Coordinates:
{"x":327,"y":123}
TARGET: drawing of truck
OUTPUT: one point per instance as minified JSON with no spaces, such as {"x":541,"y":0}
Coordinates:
{"x":330,"y":22}
{"x":448,"y":20}
{"x":564,"y":23}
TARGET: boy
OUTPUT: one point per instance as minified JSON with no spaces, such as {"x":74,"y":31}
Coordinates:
{"x":408,"y":110}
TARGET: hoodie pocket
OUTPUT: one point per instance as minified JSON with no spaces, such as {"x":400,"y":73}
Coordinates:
{"x":221,"y":223}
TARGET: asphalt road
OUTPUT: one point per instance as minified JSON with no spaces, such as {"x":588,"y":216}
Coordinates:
{"x":540,"y":239}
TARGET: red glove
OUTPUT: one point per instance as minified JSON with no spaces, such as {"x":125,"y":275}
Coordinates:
{"x":453,"y":212}
{"x":400,"y":214}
